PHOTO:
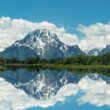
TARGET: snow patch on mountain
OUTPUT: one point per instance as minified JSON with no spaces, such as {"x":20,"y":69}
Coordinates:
{"x":46,"y":45}
{"x":94,"y":51}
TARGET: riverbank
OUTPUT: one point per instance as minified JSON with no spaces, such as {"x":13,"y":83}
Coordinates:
{"x":2,"y":68}
{"x":60,"y":66}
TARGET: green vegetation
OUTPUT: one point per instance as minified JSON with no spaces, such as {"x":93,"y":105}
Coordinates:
{"x":1,"y":63}
{"x":60,"y":66}
{"x":2,"y":68}
{"x":84,"y":60}
{"x":72,"y":63}
{"x":70,"y":67}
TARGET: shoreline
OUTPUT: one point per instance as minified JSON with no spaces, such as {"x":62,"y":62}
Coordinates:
{"x":2,"y":68}
{"x":58,"y":66}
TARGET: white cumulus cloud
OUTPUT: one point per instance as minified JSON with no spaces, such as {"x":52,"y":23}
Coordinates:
{"x":95,"y":36}
{"x":97,"y":92}
{"x":15,"y":29}
{"x":12,"y":98}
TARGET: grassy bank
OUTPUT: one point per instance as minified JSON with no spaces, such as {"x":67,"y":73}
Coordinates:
{"x":2,"y":68}
{"x":75,"y":67}
{"x":80,"y":69}
{"x":60,"y":66}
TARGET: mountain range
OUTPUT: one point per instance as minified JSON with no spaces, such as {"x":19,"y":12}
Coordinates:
{"x":94,"y":51}
{"x":42,"y":43}
{"x":46,"y":45}
{"x":97,"y":51}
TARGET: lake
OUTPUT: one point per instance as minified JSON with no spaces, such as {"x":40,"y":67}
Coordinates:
{"x":34,"y":89}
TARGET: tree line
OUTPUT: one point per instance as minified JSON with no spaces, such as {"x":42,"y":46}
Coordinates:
{"x":85,"y":60}
{"x":33,"y":60}
{"x":76,"y":60}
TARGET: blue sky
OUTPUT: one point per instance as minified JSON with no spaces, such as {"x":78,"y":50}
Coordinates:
{"x":69,"y":13}
{"x":78,"y":22}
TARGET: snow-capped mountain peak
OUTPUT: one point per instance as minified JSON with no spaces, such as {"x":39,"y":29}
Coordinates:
{"x":46,"y":45}
{"x":94,"y":51}
{"x":38,"y":39}
{"x":106,"y":49}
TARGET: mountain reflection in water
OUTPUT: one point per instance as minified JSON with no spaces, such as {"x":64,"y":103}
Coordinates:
{"x":21,"y":88}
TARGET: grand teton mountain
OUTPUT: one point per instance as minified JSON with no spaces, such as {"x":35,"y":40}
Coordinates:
{"x":42,"y":43}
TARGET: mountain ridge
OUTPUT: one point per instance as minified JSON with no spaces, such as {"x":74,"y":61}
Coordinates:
{"x":42,"y":43}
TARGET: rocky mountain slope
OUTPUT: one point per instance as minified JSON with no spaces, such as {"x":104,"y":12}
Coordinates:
{"x":42,"y":43}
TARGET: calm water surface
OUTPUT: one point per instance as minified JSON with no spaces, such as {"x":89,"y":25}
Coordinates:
{"x":23,"y":89}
